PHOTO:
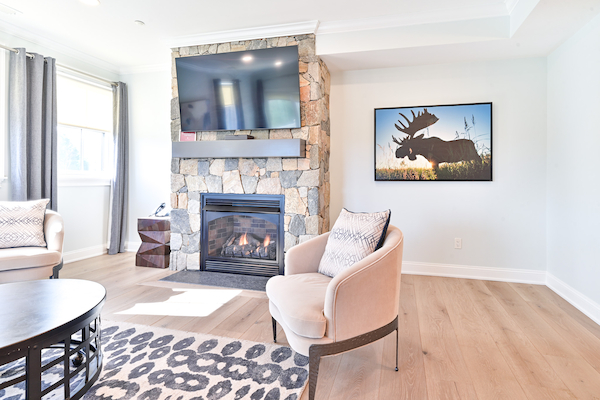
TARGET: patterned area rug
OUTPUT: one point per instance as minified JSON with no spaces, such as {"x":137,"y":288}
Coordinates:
{"x":147,"y":363}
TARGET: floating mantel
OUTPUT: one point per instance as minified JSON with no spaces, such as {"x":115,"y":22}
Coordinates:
{"x":240,"y":148}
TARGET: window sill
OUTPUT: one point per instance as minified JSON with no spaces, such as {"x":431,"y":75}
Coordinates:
{"x":76,"y":180}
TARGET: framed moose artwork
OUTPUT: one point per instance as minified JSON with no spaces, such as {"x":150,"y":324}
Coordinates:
{"x":434,"y":143}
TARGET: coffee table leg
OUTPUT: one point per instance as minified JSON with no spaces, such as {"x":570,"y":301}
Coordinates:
{"x":34,"y":373}
{"x":67,"y":368}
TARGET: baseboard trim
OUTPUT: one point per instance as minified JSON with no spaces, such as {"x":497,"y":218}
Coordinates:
{"x":474,"y":272}
{"x":82,"y":254}
{"x":132,"y":246}
{"x":580,"y":301}
{"x":577,"y":299}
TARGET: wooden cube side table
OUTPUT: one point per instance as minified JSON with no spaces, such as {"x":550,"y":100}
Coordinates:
{"x":156,"y":236}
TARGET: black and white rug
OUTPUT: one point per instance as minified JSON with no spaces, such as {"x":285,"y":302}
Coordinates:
{"x":147,"y":363}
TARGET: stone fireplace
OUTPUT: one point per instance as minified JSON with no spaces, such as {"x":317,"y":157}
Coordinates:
{"x":302,"y":181}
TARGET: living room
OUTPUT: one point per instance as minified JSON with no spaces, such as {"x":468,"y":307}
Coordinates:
{"x":536,"y":64}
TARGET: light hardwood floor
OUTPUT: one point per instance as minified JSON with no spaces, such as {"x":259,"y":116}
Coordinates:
{"x":459,"y":339}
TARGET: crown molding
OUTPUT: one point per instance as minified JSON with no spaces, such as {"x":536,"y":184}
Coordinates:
{"x":58,"y":47}
{"x":510,"y":8}
{"x":141,"y":69}
{"x":4,"y":9}
{"x":262,"y":32}
{"x":412,"y":19}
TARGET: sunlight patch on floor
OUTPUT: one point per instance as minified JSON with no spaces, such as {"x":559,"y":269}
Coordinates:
{"x":190,"y":303}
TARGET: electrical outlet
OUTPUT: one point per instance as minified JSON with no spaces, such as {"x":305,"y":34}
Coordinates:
{"x":457,"y":243}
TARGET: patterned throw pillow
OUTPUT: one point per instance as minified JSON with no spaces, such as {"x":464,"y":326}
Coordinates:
{"x":22,"y":223}
{"x":353,"y":237}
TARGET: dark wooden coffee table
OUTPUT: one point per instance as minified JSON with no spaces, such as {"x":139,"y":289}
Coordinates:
{"x":53,"y":316}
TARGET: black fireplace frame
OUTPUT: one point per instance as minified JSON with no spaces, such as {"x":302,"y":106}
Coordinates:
{"x":242,"y":204}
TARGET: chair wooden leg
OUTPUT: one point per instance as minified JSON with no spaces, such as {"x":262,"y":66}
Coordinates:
{"x":316,"y":351}
{"x":55,"y":270}
{"x":274,"y":330}
{"x":314,"y":360}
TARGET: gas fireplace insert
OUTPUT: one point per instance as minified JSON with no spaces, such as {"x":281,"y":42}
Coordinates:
{"x":242,"y":233}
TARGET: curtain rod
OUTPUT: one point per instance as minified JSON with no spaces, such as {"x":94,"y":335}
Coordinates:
{"x":16,"y":51}
{"x":86,"y":74}
{"x":63,"y":66}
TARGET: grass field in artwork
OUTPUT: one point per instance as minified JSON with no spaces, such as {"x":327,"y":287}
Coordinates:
{"x":464,"y":171}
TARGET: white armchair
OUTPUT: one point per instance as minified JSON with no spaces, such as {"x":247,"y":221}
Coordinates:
{"x":30,"y":263}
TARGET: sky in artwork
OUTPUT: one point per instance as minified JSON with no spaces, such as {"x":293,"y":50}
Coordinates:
{"x":450,"y":126}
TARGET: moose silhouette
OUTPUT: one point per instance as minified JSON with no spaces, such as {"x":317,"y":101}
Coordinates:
{"x":434,"y":149}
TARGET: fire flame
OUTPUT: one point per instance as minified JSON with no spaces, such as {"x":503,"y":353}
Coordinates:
{"x":267,"y":240}
{"x":243,"y":240}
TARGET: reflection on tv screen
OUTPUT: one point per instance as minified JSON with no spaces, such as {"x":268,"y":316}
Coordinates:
{"x":255,"y":89}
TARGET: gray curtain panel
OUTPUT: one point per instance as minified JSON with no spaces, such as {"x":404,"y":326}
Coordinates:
{"x":120,"y":183}
{"x":33,"y":127}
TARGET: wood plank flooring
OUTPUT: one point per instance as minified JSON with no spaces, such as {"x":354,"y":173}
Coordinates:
{"x":459,"y":339}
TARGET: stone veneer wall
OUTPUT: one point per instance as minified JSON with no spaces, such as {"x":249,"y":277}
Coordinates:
{"x":303,"y":181}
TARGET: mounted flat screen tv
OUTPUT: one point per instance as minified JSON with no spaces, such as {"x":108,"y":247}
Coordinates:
{"x":255,"y":89}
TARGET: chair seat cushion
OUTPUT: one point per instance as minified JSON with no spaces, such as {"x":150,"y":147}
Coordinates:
{"x":28,"y":257}
{"x":300,"y":299}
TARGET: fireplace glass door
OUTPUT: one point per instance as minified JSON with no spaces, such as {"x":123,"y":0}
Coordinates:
{"x":242,"y":236}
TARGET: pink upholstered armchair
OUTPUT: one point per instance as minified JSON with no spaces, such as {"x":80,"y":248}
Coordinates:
{"x":324,"y":316}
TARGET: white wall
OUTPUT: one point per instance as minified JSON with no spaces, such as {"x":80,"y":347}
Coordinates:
{"x":501,"y":223}
{"x":573,"y":216}
{"x":85,"y":214}
{"x":149,"y":146}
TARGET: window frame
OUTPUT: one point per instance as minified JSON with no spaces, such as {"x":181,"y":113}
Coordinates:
{"x":88,"y":178}
{"x":85,"y":178}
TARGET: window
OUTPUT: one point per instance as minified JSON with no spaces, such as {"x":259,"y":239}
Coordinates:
{"x":82,"y":150}
{"x":84,"y":111}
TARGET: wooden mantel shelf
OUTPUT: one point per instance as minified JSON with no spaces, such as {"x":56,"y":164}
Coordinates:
{"x":240,"y":148}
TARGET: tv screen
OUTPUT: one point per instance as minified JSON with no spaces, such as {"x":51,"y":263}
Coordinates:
{"x":255,"y":89}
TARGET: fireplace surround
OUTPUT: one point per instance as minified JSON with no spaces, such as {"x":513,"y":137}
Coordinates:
{"x":242,"y":234}
{"x":302,"y":179}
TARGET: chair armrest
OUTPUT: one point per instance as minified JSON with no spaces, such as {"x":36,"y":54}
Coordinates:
{"x":305,"y":257}
{"x":54,"y":231}
{"x":366,"y":296}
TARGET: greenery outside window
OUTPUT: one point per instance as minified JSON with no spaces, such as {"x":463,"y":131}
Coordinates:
{"x":82,"y":150}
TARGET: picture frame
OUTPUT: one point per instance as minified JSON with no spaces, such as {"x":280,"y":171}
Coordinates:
{"x":440,"y":143}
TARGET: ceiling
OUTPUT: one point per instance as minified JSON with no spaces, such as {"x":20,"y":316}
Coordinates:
{"x":351,"y":34}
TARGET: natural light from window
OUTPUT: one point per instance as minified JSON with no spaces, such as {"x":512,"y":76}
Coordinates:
{"x":84,"y":111}
{"x":189,"y":303}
